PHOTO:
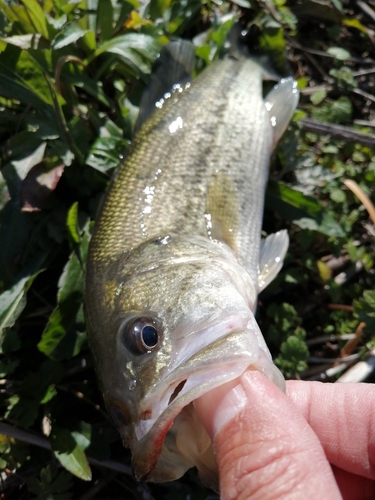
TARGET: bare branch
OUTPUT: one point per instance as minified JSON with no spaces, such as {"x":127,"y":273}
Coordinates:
{"x":338,"y":131}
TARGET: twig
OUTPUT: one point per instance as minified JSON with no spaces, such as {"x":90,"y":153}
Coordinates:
{"x":360,"y":371}
{"x":366,"y":9}
{"x":308,"y":55}
{"x":363,"y":72}
{"x":60,"y":64}
{"x":365,"y":123}
{"x":340,"y":307}
{"x":330,"y":338}
{"x":35,"y":439}
{"x":345,"y":276}
{"x":352,"y":343}
{"x":321,"y":53}
{"x":338,"y":131}
{"x":353,"y":186}
{"x":334,"y":361}
{"x":364,"y":94}
{"x":317,"y":88}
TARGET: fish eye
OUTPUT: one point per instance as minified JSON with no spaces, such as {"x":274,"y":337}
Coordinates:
{"x":141,"y":335}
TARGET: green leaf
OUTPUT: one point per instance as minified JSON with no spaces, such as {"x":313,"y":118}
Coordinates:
{"x":105,"y":19}
{"x":339,"y":53}
{"x":70,"y":34}
{"x":369,"y":297}
{"x":339,"y":111}
{"x":246,"y":4}
{"x":157,"y":8}
{"x":136,"y":50}
{"x":318,"y":97}
{"x":69,"y":453}
{"x":37,"y":17}
{"x":272,"y":42}
{"x":22,"y":78}
{"x":293,"y":356}
{"x":105,"y":153}
{"x":305,"y":211}
{"x":64,"y":335}
{"x":338,"y":5}
{"x":53,"y":484}
{"x":4,"y":192}
{"x":23,"y":41}
{"x":356,"y":23}
{"x":12,"y":303}
{"x":92,"y":87}
{"x":365,"y":309}
{"x":72,"y":223}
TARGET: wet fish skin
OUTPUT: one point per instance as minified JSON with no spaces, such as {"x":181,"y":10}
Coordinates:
{"x":177,"y":244}
{"x":174,"y":190}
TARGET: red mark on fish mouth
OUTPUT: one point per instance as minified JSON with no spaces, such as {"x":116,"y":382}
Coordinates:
{"x":154,"y":452}
{"x":146,"y":415}
{"x":177,"y":391}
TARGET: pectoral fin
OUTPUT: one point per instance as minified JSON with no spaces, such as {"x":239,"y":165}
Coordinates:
{"x":175,"y":65}
{"x":281,"y":103}
{"x":272,"y":253}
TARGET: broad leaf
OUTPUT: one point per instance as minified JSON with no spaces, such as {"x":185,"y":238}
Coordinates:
{"x":22,"y":78}
{"x":136,"y":50}
{"x":64,"y":334}
{"x":69,"y":453}
{"x":305,"y":211}
{"x":12,"y":303}
{"x":70,"y":34}
{"x":37,"y":17}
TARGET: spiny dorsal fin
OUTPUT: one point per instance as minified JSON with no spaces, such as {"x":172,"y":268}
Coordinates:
{"x":174,"y":65}
{"x":272,"y":253}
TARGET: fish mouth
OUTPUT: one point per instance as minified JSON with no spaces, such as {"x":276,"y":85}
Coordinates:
{"x":197,"y":365}
{"x":221,"y":361}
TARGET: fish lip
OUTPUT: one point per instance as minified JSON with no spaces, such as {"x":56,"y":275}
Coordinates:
{"x":161,"y":393}
{"x":147,"y":450}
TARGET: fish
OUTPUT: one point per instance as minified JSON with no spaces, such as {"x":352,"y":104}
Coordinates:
{"x":176,"y":259}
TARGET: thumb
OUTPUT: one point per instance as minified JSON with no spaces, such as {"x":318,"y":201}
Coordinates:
{"x":264,"y":448}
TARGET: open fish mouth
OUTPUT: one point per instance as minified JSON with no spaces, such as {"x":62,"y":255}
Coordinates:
{"x":226,"y":359}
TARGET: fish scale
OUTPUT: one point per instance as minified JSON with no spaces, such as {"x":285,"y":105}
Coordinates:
{"x":176,"y":248}
{"x":208,"y":143}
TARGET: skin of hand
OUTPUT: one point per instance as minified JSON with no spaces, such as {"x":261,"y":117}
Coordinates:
{"x":315,"y":442}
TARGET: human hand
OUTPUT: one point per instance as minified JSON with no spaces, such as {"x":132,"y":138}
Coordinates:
{"x":272,"y":446}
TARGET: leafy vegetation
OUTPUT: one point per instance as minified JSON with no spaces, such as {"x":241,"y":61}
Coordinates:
{"x":71,"y":76}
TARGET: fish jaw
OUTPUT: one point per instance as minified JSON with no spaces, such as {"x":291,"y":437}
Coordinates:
{"x":175,"y":436}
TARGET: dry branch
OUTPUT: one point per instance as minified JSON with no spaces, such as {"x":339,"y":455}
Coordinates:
{"x":338,"y":131}
{"x":35,"y":439}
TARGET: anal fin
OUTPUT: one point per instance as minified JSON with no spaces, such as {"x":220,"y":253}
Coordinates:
{"x":272,"y":253}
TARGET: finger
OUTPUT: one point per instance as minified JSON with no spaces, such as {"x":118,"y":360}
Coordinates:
{"x":354,"y":487}
{"x":264,"y":448}
{"x":343,"y":417}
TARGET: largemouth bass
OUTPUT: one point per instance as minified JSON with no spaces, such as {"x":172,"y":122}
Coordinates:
{"x":176,"y":260}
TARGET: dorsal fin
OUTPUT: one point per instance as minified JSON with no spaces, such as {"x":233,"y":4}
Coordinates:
{"x":174,"y":65}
